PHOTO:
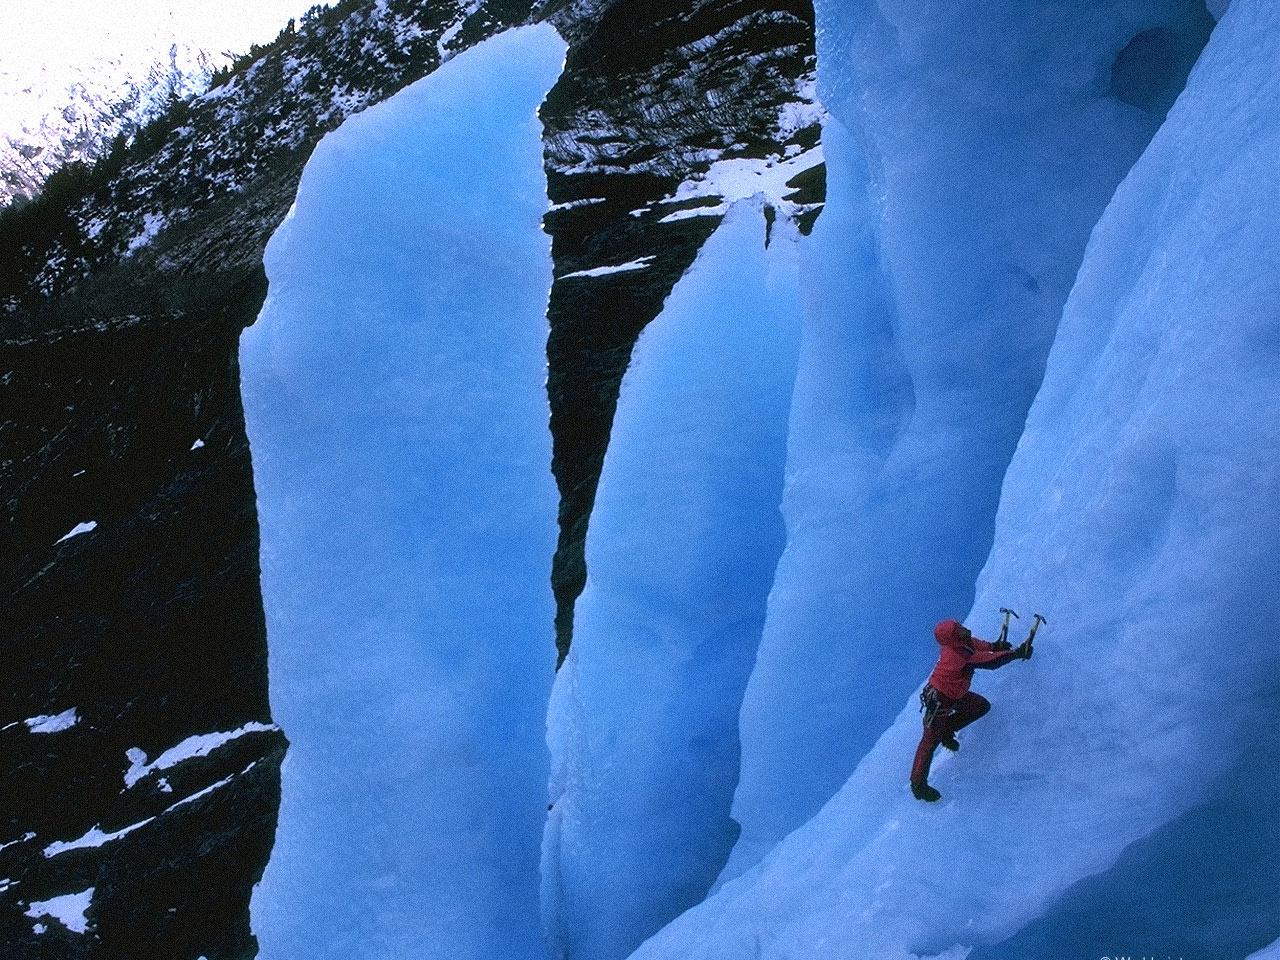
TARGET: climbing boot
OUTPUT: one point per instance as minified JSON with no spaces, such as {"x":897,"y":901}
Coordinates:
{"x":950,"y":742}
{"x":922,"y":791}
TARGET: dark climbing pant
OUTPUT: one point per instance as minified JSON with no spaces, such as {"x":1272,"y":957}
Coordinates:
{"x":951,"y":716}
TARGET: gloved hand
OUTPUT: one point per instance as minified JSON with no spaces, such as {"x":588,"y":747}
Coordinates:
{"x":1025,"y":649}
{"x":1001,"y":645}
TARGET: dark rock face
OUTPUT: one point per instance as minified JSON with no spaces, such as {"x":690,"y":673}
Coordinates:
{"x":149,"y":626}
{"x":122,"y":296}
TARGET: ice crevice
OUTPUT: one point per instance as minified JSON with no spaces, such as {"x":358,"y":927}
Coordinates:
{"x":684,"y":539}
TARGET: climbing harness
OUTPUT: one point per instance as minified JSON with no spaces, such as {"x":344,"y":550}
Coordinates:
{"x":934,"y":705}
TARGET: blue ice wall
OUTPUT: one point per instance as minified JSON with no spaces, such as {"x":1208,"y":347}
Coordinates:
{"x":972,"y":148}
{"x":684,"y":539}
{"x":1133,"y":754}
{"x":394,"y":390}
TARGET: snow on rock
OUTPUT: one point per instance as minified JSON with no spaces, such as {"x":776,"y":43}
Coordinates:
{"x":152,"y":224}
{"x":575,"y":204}
{"x":1141,"y":513}
{"x":68,"y":910}
{"x":23,"y":839}
{"x":79,"y":528}
{"x":199,"y":444}
{"x":200,"y":745}
{"x":684,"y":538}
{"x":737,"y":179}
{"x":94,"y":837}
{"x":53,"y":724}
{"x":395,"y":395}
{"x":451,"y":32}
{"x":955,"y":224}
{"x":97,"y":837}
{"x":638,"y":264}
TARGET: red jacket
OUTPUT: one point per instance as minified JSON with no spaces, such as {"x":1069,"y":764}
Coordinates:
{"x":960,"y":656}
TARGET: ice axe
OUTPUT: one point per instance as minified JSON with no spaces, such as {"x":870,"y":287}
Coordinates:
{"x":1004,"y":627}
{"x":1031,"y":637}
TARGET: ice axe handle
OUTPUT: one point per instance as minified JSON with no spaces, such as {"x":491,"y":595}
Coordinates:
{"x":1036,"y":626}
{"x":1004,"y":627}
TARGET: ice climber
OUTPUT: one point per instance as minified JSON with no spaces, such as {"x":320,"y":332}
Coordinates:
{"x":949,"y":704}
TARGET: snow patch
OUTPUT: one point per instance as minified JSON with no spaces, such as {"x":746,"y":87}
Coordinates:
{"x":641,"y":264}
{"x":806,"y":111}
{"x":68,"y":910}
{"x":718,"y":210}
{"x":152,"y":224}
{"x":197,"y":445}
{"x":87,"y":527}
{"x":452,"y":31}
{"x":741,"y":178}
{"x":200,"y":745}
{"x":97,"y":837}
{"x":53,"y":724}
{"x":574,"y":204}
{"x":22,"y":839}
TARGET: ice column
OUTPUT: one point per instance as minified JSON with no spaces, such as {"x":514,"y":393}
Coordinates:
{"x":684,"y":539}
{"x":1141,"y":513}
{"x":973,"y":146}
{"x":394,"y":389}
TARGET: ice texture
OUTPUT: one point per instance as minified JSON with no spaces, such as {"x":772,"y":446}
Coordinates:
{"x":394,"y":389}
{"x":971,"y":148}
{"x":684,"y":538}
{"x":1141,"y":514}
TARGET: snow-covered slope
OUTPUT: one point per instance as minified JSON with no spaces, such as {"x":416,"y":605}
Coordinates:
{"x":48,"y":123}
{"x":395,"y":397}
{"x":1140,"y":513}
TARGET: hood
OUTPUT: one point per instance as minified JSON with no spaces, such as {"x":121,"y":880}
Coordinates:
{"x":948,"y":633}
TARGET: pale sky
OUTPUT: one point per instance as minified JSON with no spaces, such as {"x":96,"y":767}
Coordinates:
{"x":48,"y":42}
